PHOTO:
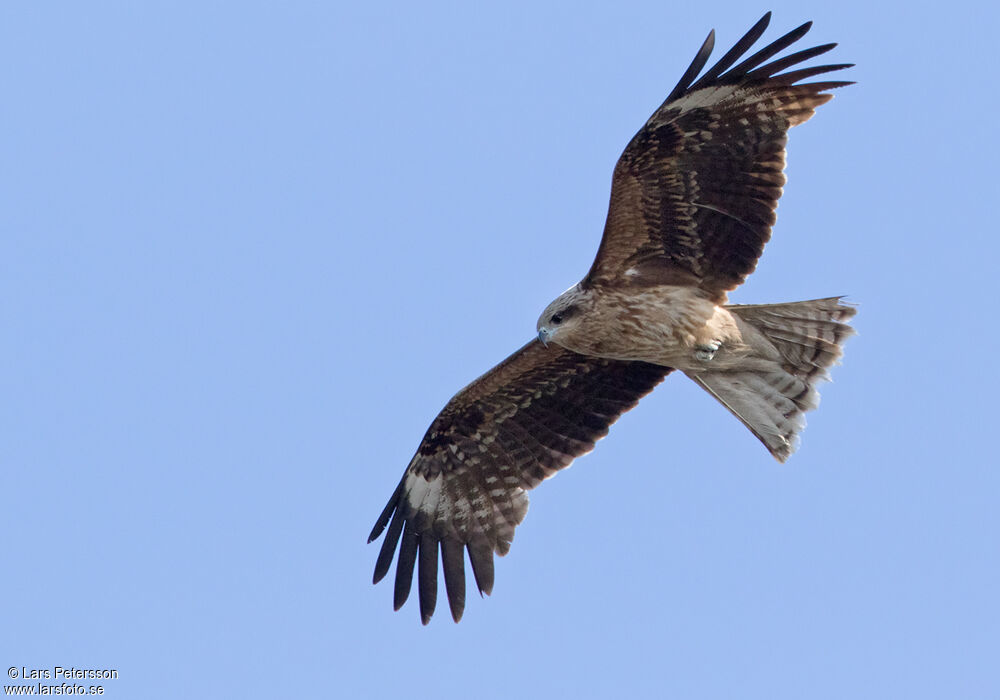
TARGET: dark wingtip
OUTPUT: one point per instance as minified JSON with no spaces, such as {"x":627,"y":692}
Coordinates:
{"x":380,"y":523}
{"x":799,"y":32}
{"x":453,"y":563}
{"x":481,"y":558}
{"x":754,"y":67}
{"x":383,"y":519}
{"x":733,"y":55}
{"x":778,"y":65}
{"x":770,"y":50}
{"x":427,"y":575}
{"x":700,"y":59}
{"x":404,"y":566}
{"x":384,"y":561}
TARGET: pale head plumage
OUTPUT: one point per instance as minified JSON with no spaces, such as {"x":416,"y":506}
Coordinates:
{"x":563,"y":315}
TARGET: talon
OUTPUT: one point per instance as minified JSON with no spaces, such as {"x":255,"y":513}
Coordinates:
{"x":705,"y":353}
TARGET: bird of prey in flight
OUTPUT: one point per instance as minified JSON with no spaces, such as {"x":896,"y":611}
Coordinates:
{"x":693,"y":198}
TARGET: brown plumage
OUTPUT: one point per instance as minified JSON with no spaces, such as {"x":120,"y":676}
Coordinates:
{"x":692,"y":205}
{"x":518,"y":424}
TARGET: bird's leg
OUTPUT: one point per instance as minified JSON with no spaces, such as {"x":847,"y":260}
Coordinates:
{"x":706,"y":351}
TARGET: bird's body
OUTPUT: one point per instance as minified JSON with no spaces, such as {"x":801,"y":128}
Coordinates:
{"x":661,"y":324}
{"x":693,"y":200}
{"x":762,"y":362}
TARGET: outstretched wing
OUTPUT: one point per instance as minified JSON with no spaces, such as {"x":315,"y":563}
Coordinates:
{"x":694,"y":192}
{"x":518,"y":424}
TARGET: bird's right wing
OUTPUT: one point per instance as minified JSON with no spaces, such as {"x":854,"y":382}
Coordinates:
{"x":518,"y":424}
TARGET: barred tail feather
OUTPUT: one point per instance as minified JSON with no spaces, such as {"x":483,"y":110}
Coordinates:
{"x":795,"y":345}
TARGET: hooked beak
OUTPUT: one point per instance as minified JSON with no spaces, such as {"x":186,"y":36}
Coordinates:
{"x":543,"y":336}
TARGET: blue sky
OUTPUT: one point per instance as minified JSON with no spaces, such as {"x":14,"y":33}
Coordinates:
{"x":249,"y":250}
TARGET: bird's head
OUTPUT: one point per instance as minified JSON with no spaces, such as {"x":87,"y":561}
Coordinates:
{"x":561,"y":316}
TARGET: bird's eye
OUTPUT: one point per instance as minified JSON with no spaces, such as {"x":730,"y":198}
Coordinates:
{"x":557,"y":319}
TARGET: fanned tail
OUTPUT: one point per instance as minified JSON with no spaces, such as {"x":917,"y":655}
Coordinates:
{"x":795,"y":345}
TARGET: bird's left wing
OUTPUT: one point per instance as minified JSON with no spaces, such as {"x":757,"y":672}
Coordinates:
{"x":465,"y":488}
{"x":694,"y":193}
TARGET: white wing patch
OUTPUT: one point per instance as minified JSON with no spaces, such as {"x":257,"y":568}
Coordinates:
{"x":706,"y":97}
{"x":422,"y":494}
